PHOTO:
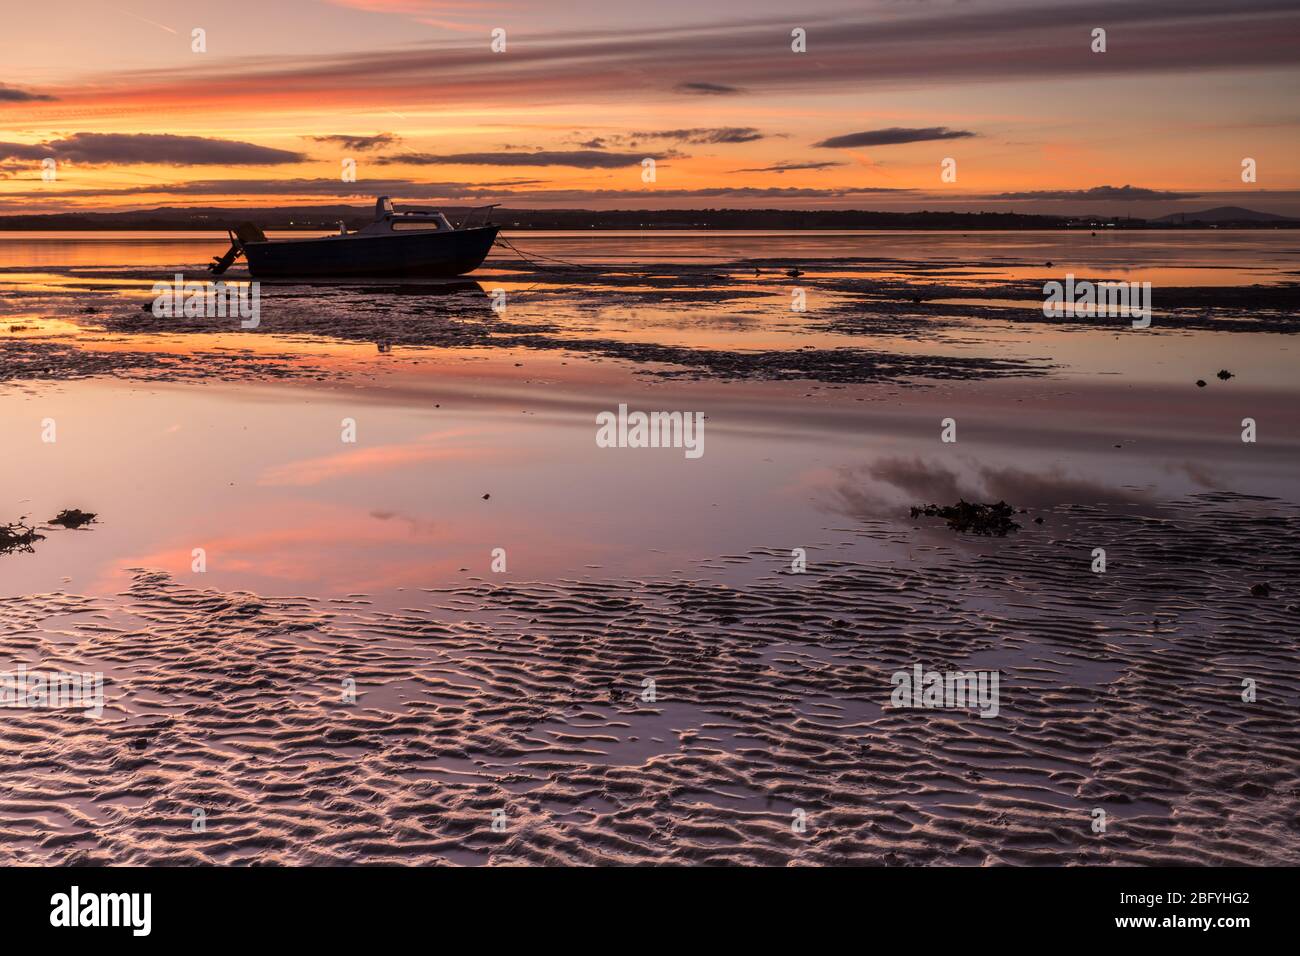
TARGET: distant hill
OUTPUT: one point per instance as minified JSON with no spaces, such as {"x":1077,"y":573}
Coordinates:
{"x":1223,"y":214}
{"x":327,"y":218}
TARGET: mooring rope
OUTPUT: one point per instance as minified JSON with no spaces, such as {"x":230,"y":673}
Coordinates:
{"x":503,"y":241}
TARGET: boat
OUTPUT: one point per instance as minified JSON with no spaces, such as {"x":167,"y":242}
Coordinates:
{"x":413,"y":243}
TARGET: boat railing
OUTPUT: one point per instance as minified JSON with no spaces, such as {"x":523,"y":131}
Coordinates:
{"x":469,"y":216}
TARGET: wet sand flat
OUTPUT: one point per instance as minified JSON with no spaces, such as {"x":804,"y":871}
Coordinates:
{"x":651,"y":679}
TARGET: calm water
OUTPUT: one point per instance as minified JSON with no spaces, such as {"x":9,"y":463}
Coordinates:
{"x":256,"y":473}
{"x":370,"y":562}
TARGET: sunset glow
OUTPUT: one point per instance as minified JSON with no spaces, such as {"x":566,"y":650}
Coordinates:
{"x":564,"y":116}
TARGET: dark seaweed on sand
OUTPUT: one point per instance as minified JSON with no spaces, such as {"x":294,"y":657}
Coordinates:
{"x":973,"y":517}
{"x":73,"y":518}
{"x":18,"y":537}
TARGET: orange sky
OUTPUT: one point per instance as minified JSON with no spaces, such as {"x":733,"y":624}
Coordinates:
{"x":413,"y":94}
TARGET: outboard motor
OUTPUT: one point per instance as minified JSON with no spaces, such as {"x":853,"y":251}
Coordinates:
{"x":244,"y":232}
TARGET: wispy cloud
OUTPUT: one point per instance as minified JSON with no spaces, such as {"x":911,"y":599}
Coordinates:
{"x":792,"y":167}
{"x":287,"y":188}
{"x":160,"y":148}
{"x":921,"y":45}
{"x":702,"y":136}
{"x":405,"y":189}
{"x":11,"y":94}
{"x":136,"y":16}
{"x":893,"y":136}
{"x":707,"y":89}
{"x":444,"y":14}
{"x":576,"y":158}
{"x":357,"y":143}
{"x":1101,"y":193}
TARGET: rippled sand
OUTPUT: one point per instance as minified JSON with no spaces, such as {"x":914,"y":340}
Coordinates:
{"x":1119,"y":691}
{"x":508,"y":718}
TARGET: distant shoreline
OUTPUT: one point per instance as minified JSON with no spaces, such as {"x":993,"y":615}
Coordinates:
{"x":212,"y":229}
{"x":668,"y":220}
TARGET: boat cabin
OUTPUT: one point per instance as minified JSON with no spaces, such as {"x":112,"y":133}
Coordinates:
{"x":388,"y":220}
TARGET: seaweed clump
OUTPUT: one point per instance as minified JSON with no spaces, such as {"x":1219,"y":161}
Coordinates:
{"x":972,"y":517}
{"x":73,"y":518}
{"x":18,"y":537}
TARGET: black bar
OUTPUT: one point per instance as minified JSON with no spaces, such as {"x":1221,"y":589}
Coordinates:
{"x":333,"y":906}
